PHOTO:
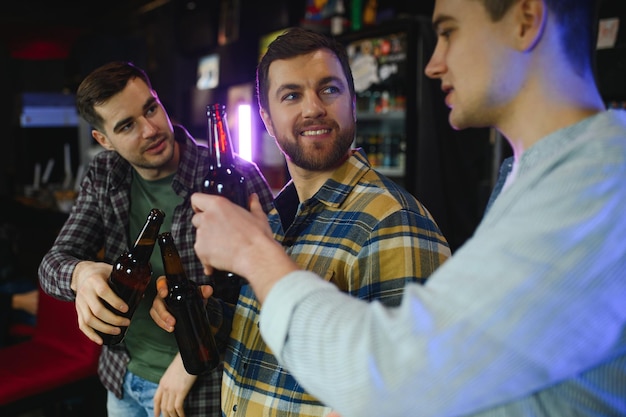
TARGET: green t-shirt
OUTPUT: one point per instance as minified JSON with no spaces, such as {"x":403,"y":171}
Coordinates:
{"x":151,"y":348}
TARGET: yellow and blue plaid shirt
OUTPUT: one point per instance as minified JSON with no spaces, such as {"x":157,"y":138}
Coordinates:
{"x":360,"y":231}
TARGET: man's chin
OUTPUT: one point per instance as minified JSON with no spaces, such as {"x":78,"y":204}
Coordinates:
{"x":455,"y":122}
{"x":460,"y":122}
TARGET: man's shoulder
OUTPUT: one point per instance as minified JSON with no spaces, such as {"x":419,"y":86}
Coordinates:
{"x":106,"y":156}
{"x":380,"y":186}
{"x":106,"y":160}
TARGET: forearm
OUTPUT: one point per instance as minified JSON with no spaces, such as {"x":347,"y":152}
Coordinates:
{"x":56,"y":273}
{"x":265,"y":264}
{"x":439,"y":351}
{"x":80,"y":239}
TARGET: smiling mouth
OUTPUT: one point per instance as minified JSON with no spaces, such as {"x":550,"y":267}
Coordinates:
{"x":315,"y":132}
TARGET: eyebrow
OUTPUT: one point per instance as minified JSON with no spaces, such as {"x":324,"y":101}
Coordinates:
{"x":286,"y":87}
{"x":331,"y":78}
{"x":438,"y":20}
{"x":323,"y":81}
{"x":121,"y":123}
{"x":149,"y":103}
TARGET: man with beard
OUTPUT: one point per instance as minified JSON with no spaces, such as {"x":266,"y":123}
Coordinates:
{"x":148,"y":162}
{"x":336,"y":217}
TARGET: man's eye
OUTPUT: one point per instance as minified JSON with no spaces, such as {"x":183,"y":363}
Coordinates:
{"x":290,"y":96}
{"x":331,"y":90}
{"x":445,"y":33}
{"x":126,"y":127}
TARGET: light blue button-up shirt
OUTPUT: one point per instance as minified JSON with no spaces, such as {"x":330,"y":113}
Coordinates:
{"x":528,"y":318}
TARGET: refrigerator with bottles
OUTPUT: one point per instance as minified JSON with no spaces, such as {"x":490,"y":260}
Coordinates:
{"x":402,"y":124}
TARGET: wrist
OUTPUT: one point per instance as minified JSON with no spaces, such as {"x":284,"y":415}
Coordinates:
{"x":269,"y":271}
{"x":78,"y":274}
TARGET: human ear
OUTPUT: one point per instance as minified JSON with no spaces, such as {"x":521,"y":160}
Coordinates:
{"x":531,"y":18}
{"x":102,"y":140}
{"x":267,"y":121}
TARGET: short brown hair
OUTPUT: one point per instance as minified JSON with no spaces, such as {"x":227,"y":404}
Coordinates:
{"x":577,"y":20}
{"x":102,"y":84}
{"x":295,"y":42}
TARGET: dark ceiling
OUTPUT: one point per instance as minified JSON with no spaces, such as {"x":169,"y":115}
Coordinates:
{"x":69,"y":12}
{"x":29,"y":24}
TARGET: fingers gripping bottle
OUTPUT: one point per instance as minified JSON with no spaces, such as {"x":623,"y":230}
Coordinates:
{"x":184,"y":300}
{"x":132,"y":272}
{"x":224,"y":179}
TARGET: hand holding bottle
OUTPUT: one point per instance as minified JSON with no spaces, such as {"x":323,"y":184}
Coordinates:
{"x":226,"y":180}
{"x":159,"y":312}
{"x":250,"y":250}
{"x":89,"y":282}
{"x":132,"y":273}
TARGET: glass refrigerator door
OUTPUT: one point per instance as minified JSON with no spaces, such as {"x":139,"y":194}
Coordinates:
{"x":379,"y":66}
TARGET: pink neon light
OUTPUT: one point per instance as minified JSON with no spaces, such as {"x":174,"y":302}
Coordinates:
{"x":244,"y":117}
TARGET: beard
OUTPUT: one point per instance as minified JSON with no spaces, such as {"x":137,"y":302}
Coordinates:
{"x":157,"y":161}
{"x":317,"y":155}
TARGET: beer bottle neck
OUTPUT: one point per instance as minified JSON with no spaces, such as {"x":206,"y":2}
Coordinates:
{"x":171,"y":259}
{"x":144,"y":245}
{"x":219,"y":140}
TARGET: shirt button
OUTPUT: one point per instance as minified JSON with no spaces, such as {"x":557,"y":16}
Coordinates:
{"x":235,"y":407}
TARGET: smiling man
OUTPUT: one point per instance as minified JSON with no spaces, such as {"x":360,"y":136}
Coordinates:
{"x":336,"y":217}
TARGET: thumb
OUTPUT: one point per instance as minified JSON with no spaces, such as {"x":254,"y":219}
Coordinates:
{"x":255,"y":206}
{"x":161,"y":285}
{"x":257,"y":212}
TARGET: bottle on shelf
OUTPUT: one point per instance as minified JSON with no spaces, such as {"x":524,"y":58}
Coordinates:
{"x":225,"y":179}
{"x":338,"y":18}
{"x":370,"y":11}
{"x":193,"y":334}
{"x":132,"y":272}
{"x":356,"y":12}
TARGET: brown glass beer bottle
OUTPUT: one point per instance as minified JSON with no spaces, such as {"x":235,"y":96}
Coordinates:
{"x":223,"y":178}
{"x":132,"y":272}
{"x":184,"y":300}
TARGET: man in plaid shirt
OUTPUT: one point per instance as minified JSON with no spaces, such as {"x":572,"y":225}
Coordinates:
{"x":148,"y":163}
{"x":337,"y":217}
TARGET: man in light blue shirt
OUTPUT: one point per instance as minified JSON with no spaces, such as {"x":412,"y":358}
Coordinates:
{"x":528,"y":318}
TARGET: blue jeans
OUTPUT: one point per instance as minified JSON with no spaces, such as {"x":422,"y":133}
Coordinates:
{"x":137,"y":401}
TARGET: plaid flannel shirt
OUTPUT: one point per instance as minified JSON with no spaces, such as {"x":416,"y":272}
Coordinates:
{"x":360,"y":231}
{"x":99,"y":221}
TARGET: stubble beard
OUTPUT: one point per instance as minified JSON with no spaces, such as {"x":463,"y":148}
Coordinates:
{"x":158,"y":161}
{"x":318,"y":156}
